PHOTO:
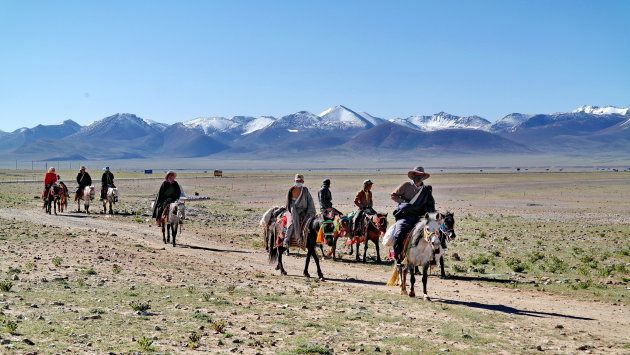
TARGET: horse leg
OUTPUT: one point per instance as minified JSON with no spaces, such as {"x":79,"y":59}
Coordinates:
{"x":442,"y":273}
{"x":357,"y":247}
{"x":54,"y":203}
{"x":333,"y":249}
{"x":174,"y":231}
{"x":281,"y":266}
{"x":321,"y":247}
{"x":365,"y":248}
{"x":378,"y":252}
{"x":320,"y":274}
{"x":308,"y":260}
{"x":104,"y":206}
{"x":412,"y":279}
{"x":403,"y":280}
{"x":163,"y":233}
{"x":425,"y":276}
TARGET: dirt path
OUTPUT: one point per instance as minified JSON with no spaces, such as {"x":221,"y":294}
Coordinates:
{"x":604,"y":322}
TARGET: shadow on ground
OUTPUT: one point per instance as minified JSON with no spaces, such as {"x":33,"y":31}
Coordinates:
{"x":508,"y":309}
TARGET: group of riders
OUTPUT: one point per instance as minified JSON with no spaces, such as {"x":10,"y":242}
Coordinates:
{"x":169,"y":191}
{"x":83,"y":180}
{"x":414,"y":199}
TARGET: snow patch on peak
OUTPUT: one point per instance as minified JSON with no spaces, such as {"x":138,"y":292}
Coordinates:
{"x":344,"y":117}
{"x":602,"y":110}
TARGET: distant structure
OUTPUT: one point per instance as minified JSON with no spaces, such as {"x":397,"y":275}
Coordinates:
{"x":218,"y":173}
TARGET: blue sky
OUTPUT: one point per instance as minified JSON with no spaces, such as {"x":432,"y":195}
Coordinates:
{"x":176,"y":60}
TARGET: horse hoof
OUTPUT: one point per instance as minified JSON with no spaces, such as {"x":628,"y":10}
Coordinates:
{"x":283,"y":272}
{"x":412,"y":294}
{"x":277,"y":267}
{"x":403,"y":293}
{"x":306,"y":274}
{"x":426,"y":297}
{"x":322,"y":278}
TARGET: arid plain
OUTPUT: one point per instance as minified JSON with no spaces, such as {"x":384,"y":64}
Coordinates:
{"x":543,"y":265}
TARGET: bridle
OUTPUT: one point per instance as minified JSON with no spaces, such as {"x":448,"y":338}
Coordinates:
{"x":377,"y":224}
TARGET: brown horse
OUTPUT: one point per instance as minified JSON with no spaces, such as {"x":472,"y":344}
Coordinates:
{"x":373,"y":227}
{"x":62,"y":202}
{"x":341,"y":230}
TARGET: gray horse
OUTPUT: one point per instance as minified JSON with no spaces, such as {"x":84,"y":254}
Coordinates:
{"x":424,"y":249}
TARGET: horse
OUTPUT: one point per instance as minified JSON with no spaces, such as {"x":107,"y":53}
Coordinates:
{"x":447,"y":233}
{"x":86,"y":195}
{"x":172,"y":215}
{"x":50,"y":198}
{"x":341,"y":229}
{"x":62,"y":202}
{"x":374,"y":226}
{"x":110,"y":198}
{"x":309,"y":232}
{"x":268,"y":221}
{"x":423,"y":248}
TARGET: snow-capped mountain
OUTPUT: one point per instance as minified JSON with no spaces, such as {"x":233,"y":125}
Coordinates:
{"x":210,"y":125}
{"x":372,"y":119}
{"x":119,"y":126}
{"x":508,"y":122}
{"x":235,"y":125}
{"x":603,"y":110}
{"x":441,"y":120}
{"x":120,"y":136}
{"x":344,"y":118}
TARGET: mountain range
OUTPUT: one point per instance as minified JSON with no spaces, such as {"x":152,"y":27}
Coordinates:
{"x":586,"y":130}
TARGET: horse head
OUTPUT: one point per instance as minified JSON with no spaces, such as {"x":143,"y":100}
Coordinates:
{"x":344,"y":224}
{"x":431,"y":230}
{"x":328,"y":228}
{"x":448,"y":225}
{"x":380,"y":221}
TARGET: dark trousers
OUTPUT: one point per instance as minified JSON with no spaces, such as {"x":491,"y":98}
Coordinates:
{"x":401,"y":228}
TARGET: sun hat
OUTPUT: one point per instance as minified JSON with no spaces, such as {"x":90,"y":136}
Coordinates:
{"x":170,"y":172}
{"x":299,"y":177}
{"x":367,"y":182}
{"x":326,"y":182}
{"x":418,"y":170}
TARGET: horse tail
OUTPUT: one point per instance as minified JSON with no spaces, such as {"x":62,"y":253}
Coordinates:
{"x":273,"y":248}
{"x":394,"y":278}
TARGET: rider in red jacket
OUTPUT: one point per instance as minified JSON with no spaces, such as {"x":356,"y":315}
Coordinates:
{"x":49,"y":179}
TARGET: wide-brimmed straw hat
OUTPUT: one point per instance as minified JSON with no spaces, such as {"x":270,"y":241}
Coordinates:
{"x":418,"y":170}
{"x":170,"y":172}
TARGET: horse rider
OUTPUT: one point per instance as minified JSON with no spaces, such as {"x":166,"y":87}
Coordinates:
{"x":414,"y":200}
{"x":83,"y":179}
{"x":363,"y":200}
{"x":49,"y":179}
{"x":107,"y":181}
{"x":170,"y":191}
{"x":300,"y":206}
{"x":325,"y":201}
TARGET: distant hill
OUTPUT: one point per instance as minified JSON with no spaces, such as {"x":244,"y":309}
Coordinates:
{"x":587,"y":131}
{"x":395,"y":137}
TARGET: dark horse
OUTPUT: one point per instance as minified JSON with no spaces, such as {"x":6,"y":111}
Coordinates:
{"x":447,"y":233}
{"x":373,"y":227}
{"x":50,"y":198}
{"x":309,"y":235}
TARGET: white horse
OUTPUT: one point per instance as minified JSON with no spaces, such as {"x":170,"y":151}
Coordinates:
{"x":110,"y":198}
{"x":88,"y":195}
{"x":172,"y":216}
{"x":424,"y":249}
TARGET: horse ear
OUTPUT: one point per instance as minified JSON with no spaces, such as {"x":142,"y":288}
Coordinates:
{"x":426,"y":215}
{"x":439,"y":216}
